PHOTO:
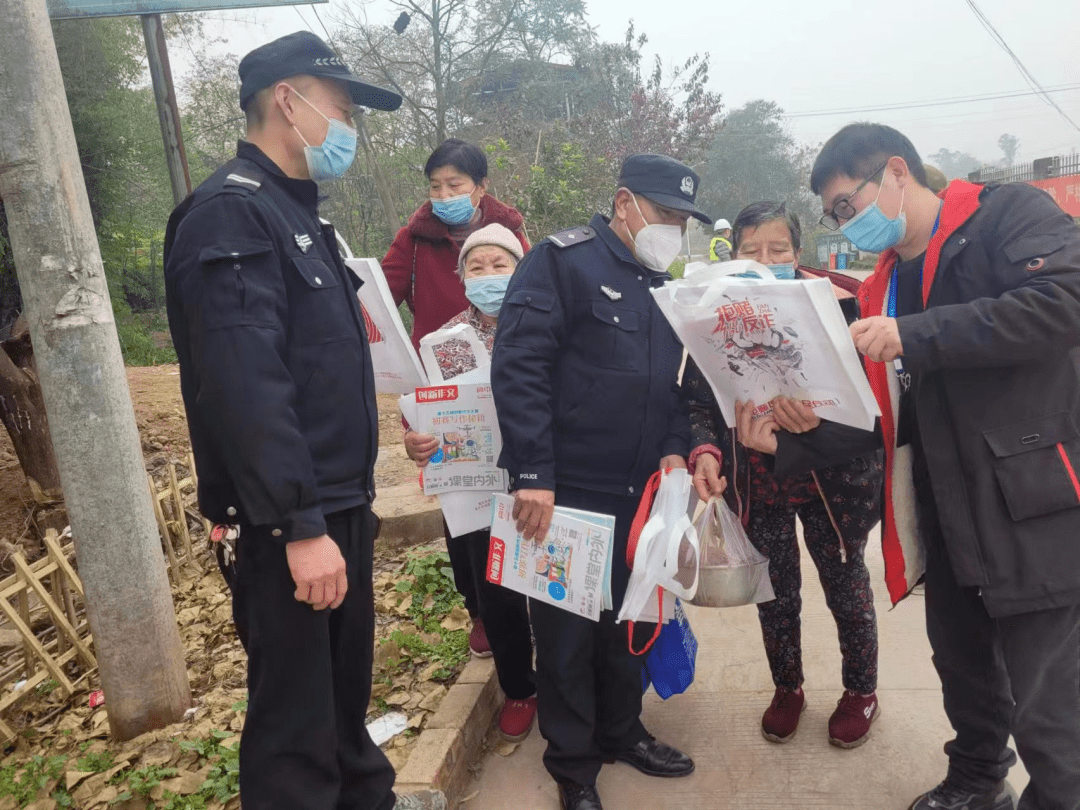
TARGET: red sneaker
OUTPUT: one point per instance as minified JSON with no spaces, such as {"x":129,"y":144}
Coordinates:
{"x":516,"y":718}
{"x":849,"y":726}
{"x":781,"y":719}
{"x":478,"y":640}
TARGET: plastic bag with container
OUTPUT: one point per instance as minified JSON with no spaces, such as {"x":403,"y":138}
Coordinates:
{"x":732,"y":572}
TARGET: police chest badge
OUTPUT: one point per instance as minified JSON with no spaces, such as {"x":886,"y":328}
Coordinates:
{"x":614,"y":295}
{"x":687,"y":186}
{"x":303,"y":241}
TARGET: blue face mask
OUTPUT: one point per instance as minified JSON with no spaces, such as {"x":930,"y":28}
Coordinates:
{"x":872,"y":231}
{"x":487,"y":292}
{"x":786,"y":271}
{"x":454,"y":210}
{"x":335,"y":155}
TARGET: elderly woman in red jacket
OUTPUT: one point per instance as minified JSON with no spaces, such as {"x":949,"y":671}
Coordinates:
{"x":421,"y":266}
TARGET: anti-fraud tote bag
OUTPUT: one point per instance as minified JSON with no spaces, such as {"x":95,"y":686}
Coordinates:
{"x":757,"y":338}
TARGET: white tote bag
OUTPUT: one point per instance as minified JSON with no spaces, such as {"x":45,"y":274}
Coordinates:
{"x":397,"y":368}
{"x":758,"y":338}
{"x":657,"y":556}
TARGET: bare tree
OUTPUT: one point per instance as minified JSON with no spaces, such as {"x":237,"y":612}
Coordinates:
{"x":431,"y":59}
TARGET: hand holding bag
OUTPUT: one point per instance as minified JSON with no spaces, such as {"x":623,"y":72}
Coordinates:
{"x":653,"y":550}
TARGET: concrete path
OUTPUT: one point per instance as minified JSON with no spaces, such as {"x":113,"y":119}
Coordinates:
{"x":718,"y":723}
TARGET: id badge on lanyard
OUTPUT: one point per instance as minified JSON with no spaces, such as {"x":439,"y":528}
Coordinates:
{"x":902,"y":376}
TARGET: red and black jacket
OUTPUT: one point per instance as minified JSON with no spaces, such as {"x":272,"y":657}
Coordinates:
{"x":995,"y":362}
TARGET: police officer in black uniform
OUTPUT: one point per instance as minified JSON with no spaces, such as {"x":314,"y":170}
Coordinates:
{"x":584,"y":373}
{"x":276,"y":375}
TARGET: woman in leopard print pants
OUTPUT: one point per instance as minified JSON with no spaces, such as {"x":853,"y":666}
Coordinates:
{"x":830,"y":476}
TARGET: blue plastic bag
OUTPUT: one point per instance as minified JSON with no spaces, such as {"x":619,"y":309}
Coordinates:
{"x":672,"y":659}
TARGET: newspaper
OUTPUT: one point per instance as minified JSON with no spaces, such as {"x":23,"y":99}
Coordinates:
{"x":464,"y":512}
{"x":607,"y":522}
{"x":570,"y":569}
{"x":463,"y":419}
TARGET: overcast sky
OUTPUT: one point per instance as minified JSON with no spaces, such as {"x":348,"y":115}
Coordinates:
{"x":833,"y":54}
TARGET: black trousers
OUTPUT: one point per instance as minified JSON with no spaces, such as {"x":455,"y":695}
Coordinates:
{"x":588,"y":683}
{"x":1016,"y":675}
{"x":465,"y":578}
{"x":304,"y":744}
{"x":505,"y":614}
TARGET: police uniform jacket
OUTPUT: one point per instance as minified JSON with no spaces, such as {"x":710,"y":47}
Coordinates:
{"x":275,"y":367}
{"x":585,"y":368}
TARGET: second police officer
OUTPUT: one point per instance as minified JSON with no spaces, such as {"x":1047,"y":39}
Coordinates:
{"x":584,"y":373}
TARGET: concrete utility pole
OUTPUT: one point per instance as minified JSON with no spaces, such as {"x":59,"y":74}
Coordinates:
{"x":84,"y":385}
{"x":157,"y":57}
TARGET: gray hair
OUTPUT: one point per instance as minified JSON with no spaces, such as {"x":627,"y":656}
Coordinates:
{"x":759,"y":213}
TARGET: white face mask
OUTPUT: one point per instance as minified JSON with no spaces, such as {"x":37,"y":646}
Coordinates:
{"x":657,"y":245}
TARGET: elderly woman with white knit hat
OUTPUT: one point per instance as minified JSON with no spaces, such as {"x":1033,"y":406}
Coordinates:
{"x":487,"y":260}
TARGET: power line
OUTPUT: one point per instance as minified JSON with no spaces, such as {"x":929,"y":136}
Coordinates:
{"x":319,"y":18}
{"x":942,"y":102}
{"x":329,"y":39}
{"x":1028,"y":77}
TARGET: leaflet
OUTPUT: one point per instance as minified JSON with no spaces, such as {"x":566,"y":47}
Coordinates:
{"x":460,"y":341}
{"x":466,"y":512}
{"x":463,"y":419}
{"x":571,"y":569}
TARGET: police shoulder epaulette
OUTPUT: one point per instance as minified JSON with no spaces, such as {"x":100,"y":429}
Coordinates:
{"x":248,"y":181}
{"x":572,"y":236}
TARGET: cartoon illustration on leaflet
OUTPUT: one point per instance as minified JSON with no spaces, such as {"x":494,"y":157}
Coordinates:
{"x":459,"y":445}
{"x":553,"y":562}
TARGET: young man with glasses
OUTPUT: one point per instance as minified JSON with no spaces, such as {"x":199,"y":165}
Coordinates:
{"x":971,"y":341}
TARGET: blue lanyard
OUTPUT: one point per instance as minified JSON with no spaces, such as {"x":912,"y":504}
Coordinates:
{"x":894,"y":283}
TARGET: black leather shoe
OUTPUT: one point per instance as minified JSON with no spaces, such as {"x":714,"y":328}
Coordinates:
{"x":579,"y":797}
{"x":654,"y":758}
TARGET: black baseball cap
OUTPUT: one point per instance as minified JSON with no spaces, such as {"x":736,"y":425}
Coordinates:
{"x":303,"y":53}
{"x":665,"y":181}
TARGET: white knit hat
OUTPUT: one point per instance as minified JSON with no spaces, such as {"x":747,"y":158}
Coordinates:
{"x":493,"y":234}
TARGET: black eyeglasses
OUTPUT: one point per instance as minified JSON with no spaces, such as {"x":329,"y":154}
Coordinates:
{"x":842,"y":209}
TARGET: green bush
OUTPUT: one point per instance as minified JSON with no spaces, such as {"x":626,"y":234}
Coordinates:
{"x":136,"y":337}
{"x":26,"y":780}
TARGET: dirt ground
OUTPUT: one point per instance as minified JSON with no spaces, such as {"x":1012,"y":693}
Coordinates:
{"x":421,"y":645}
{"x":159,"y":414}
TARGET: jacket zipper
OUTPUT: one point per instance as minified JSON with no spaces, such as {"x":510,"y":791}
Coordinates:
{"x":832,"y":520}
